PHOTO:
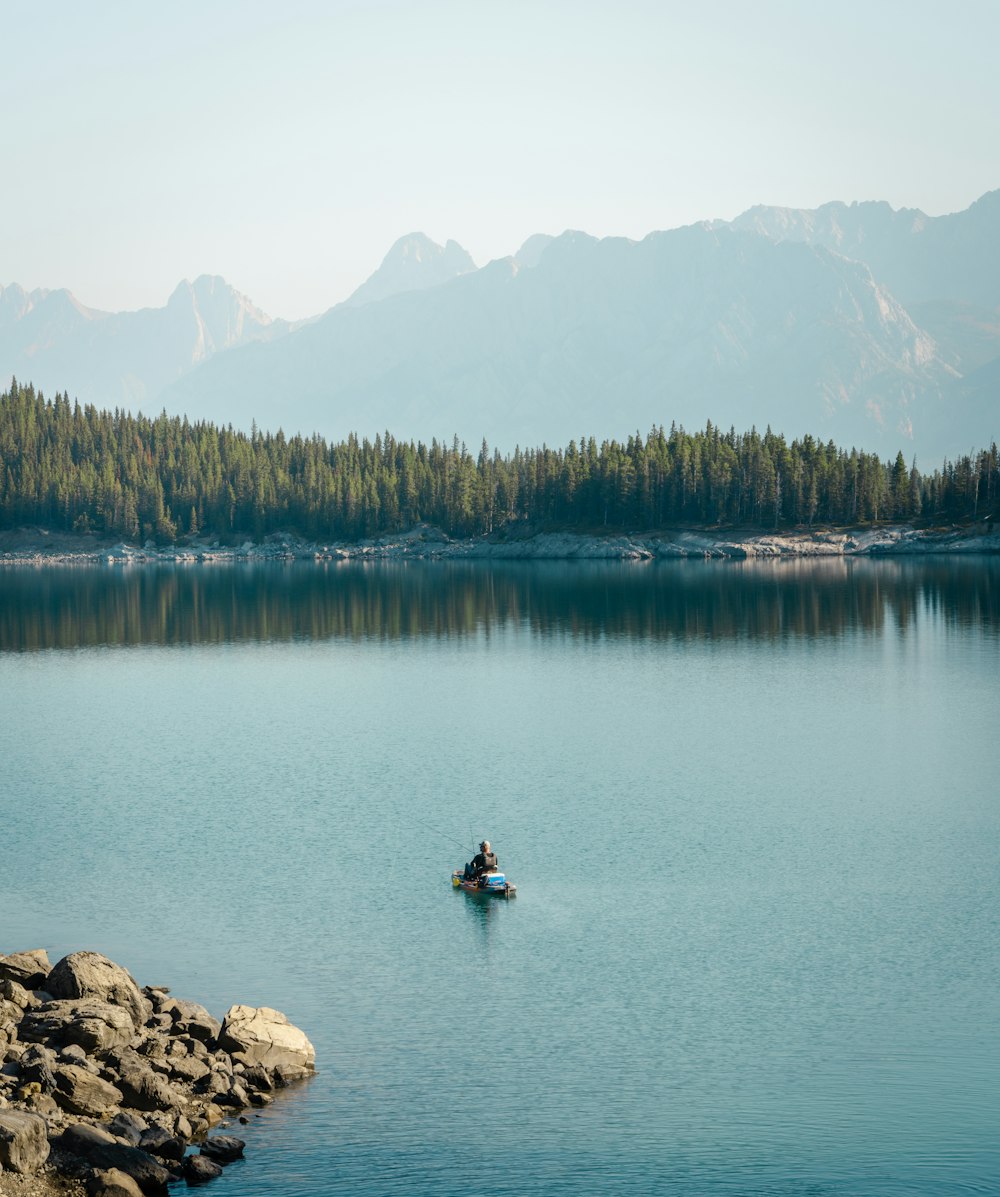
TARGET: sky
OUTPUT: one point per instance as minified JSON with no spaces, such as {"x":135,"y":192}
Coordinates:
{"x":286,"y":146}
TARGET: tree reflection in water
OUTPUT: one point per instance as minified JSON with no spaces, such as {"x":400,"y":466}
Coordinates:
{"x":87,"y":606}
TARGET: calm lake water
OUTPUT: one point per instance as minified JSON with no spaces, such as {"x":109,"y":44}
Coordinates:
{"x":751,"y":809}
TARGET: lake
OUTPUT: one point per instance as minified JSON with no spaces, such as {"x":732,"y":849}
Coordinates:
{"x":751,"y":810}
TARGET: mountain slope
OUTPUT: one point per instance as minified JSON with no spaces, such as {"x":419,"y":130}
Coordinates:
{"x":125,"y":357}
{"x":599,"y":336}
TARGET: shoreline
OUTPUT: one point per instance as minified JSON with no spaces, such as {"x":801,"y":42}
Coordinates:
{"x":38,"y":547}
{"x":120,"y":1088}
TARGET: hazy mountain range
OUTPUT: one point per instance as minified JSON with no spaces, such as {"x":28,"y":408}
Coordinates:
{"x":867,"y":325}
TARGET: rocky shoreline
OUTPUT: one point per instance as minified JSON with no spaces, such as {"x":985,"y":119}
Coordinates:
{"x":512,"y":543}
{"x":115,"y":1091}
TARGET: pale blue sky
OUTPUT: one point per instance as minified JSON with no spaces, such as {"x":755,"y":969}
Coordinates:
{"x":286,"y":145}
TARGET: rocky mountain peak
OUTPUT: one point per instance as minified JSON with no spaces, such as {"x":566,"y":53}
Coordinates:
{"x":413,"y":263}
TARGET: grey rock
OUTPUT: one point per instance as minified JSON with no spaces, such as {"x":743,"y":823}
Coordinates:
{"x":93,"y":1024}
{"x":150,"y":1175}
{"x":81,"y":1139}
{"x":28,"y":969}
{"x":258,"y":1078}
{"x":188,"y":1069}
{"x":45,"y":1105}
{"x":199,"y":1170}
{"x":112,"y":1182}
{"x":223,"y":1148}
{"x":11,"y":1014}
{"x":128,"y":1127}
{"x":142,"y":1089}
{"x":192,"y":1020}
{"x":89,"y":974}
{"x":265,"y":1036}
{"x":212,"y":1084}
{"x":24,"y":1143}
{"x":99,"y":1148}
{"x":81,"y":1092}
{"x":162,"y":1143}
{"x":73,"y":1053}
{"x":11,"y":991}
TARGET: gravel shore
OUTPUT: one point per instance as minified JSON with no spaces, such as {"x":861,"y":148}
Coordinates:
{"x":34,"y":546}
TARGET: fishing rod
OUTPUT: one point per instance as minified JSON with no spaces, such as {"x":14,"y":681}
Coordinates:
{"x":450,"y":838}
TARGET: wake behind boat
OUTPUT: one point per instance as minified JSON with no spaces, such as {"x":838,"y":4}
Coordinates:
{"x":492,"y":884}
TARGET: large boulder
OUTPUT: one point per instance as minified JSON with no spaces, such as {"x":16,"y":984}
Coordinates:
{"x":142,"y":1089}
{"x":265,"y":1036}
{"x":91,"y":1023}
{"x":91,"y":975}
{"x":26,"y":968}
{"x":99,"y":1149}
{"x":81,"y":1092}
{"x":24,"y":1143}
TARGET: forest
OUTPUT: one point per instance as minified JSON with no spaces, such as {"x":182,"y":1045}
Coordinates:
{"x":69,"y":467}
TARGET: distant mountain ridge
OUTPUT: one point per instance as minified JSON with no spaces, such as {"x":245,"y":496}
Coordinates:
{"x":855,"y":322}
{"x":114,"y":358}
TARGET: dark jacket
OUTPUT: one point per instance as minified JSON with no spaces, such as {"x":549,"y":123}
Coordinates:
{"x":483,"y":862}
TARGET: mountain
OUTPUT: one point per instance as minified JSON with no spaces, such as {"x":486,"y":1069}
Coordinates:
{"x":127,"y":358}
{"x":920,"y":258}
{"x":855,"y":322}
{"x":602,"y":337}
{"x":414,"y":263}
{"x":944,"y":269}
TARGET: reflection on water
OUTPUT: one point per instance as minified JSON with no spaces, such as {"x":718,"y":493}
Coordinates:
{"x":86,"y":606}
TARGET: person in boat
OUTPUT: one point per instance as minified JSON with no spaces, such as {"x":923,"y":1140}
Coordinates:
{"x":485,"y":861}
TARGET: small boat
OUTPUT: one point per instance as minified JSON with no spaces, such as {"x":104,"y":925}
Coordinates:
{"x":492,"y":884}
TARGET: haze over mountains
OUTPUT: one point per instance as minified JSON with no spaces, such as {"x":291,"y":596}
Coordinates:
{"x":859,"y":323}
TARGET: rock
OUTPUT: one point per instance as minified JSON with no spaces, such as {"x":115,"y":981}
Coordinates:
{"x":37,"y":1068}
{"x":81,"y":1092}
{"x":199,"y":1170}
{"x":112,"y":1183}
{"x":98,"y":1148}
{"x":266,"y":1037}
{"x":89,"y":974}
{"x":162,"y":1144}
{"x":24,"y":1143}
{"x":188,"y":1069}
{"x":73,"y":1053}
{"x":158,"y":1141}
{"x":212,"y":1084}
{"x":93,"y":1024}
{"x":81,"y":1139}
{"x":235,"y":1097}
{"x":223,"y":1148}
{"x":45,"y":1105}
{"x":192,"y":1020}
{"x":11,"y":991}
{"x":28,"y":969}
{"x":127,"y":1126}
{"x":142,"y":1089}
{"x":256,"y":1077}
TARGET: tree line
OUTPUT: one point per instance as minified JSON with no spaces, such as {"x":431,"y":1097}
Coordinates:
{"x":76,"y":468}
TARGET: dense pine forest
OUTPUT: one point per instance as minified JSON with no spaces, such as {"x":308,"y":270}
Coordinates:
{"x":73,"y":468}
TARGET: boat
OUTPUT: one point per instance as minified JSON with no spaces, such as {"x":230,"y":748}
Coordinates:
{"x":493,"y":884}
